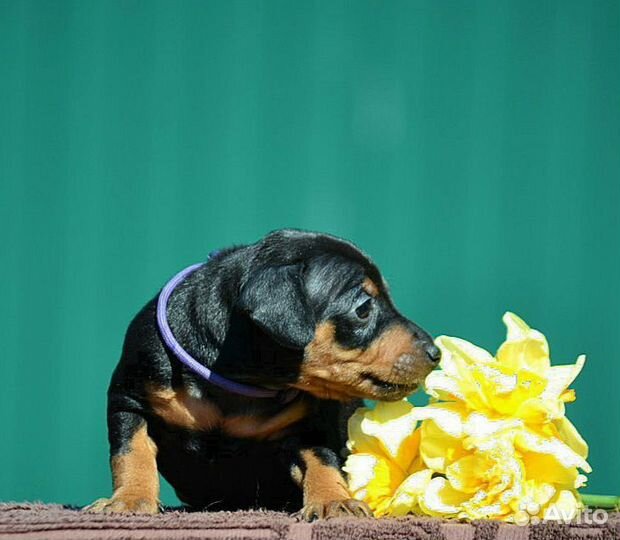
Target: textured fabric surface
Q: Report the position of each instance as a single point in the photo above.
(41, 521)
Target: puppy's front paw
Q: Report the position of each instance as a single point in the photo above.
(331, 509)
(124, 505)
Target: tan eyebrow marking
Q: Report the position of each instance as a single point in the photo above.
(370, 287)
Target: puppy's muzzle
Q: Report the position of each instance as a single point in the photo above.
(416, 366)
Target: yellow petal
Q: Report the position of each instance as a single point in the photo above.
(360, 469)
(437, 448)
(524, 348)
(440, 385)
(406, 498)
(409, 458)
(547, 469)
(528, 385)
(528, 440)
(373, 480)
(534, 497)
(456, 349)
(540, 492)
(537, 410)
(440, 499)
(563, 507)
(499, 382)
(468, 473)
(386, 431)
(459, 360)
(449, 417)
(516, 328)
(480, 426)
(476, 511)
(581, 481)
(568, 433)
(568, 396)
(359, 441)
(560, 377)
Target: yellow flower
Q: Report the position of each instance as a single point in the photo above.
(385, 469)
(494, 443)
(519, 387)
(494, 475)
(519, 382)
(478, 485)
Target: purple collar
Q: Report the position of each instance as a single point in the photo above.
(192, 363)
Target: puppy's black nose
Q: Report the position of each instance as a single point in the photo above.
(433, 352)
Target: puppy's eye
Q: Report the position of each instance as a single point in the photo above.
(363, 310)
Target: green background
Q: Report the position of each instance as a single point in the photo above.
(471, 147)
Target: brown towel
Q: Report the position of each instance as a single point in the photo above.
(56, 522)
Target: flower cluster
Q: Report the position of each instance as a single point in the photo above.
(493, 442)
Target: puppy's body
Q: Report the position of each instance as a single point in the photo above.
(297, 311)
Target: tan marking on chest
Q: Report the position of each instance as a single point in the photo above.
(179, 409)
(273, 427)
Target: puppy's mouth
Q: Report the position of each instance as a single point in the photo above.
(388, 389)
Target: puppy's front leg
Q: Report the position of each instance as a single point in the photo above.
(325, 492)
(134, 467)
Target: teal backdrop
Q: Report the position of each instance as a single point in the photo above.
(471, 147)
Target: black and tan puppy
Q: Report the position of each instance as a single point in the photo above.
(296, 310)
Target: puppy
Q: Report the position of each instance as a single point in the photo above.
(287, 336)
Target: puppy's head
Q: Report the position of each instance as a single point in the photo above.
(322, 296)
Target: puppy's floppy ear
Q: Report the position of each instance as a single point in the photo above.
(275, 299)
